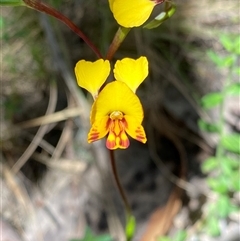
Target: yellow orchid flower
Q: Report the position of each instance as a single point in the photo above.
(116, 111)
(132, 13)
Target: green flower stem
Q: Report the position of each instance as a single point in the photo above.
(118, 39)
(12, 3)
(130, 220)
(41, 7)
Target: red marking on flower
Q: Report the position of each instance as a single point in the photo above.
(117, 137)
(94, 136)
(140, 138)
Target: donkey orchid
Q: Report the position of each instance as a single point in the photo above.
(116, 111)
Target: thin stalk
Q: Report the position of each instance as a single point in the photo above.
(130, 220)
(117, 40)
(119, 186)
(41, 7)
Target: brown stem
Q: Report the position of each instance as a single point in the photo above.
(41, 7)
(119, 186)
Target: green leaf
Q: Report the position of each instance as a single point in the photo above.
(233, 89)
(217, 59)
(103, 237)
(231, 161)
(130, 227)
(212, 226)
(163, 16)
(231, 43)
(219, 184)
(223, 205)
(210, 164)
(228, 61)
(226, 167)
(89, 236)
(181, 235)
(208, 127)
(237, 45)
(231, 143)
(234, 208)
(12, 3)
(237, 70)
(235, 181)
(221, 61)
(211, 100)
(227, 42)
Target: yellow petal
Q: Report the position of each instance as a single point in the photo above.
(92, 75)
(131, 13)
(116, 96)
(111, 4)
(98, 130)
(131, 71)
(135, 129)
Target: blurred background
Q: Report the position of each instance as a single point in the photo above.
(57, 187)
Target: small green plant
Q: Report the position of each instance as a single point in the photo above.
(181, 235)
(223, 167)
(89, 236)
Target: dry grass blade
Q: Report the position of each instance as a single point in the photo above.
(66, 138)
(21, 196)
(71, 166)
(52, 118)
(19, 192)
(40, 133)
(46, 146)
(66, 135)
